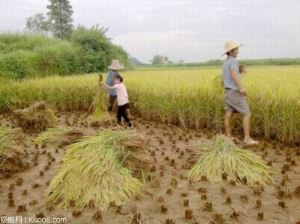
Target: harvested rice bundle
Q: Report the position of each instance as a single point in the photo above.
(92, 172)
(99, 106)
(38, 117)
(100, 112)
(6, 137)
(12, 159)
(239, 165)
(49, 135)
(65, 135)
(101, 118)
(131, 145)
(134, 155)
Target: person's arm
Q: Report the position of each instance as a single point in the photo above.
(108, 87)
(235, 78)
(108, 81)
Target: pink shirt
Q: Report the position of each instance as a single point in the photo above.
(122, 95)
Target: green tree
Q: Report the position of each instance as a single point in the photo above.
(96, 50)
(60, 16)
(156, 60)
(160, 59)
(38, 24)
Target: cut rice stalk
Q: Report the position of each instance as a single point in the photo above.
(8, 136)
(93, 172)
(100, 112)
(223, 156)
(36, 118)
(49, 135)
(12, 159)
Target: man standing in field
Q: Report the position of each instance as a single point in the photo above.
(235, 93)
(112, 94)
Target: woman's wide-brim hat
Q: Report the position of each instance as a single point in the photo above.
(230, 45)
(115, 65)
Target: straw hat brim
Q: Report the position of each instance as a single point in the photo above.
(233, 47)
(116, 67)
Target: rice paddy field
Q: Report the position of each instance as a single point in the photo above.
(192, 98)
(174, 167)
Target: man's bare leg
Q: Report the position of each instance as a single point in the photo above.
(246, 127)
(227, 122)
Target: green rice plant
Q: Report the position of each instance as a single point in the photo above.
(93, 172)
(224, 157)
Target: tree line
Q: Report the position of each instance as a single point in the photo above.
(57, 21)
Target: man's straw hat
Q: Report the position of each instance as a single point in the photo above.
(230, 45)
(115, 65)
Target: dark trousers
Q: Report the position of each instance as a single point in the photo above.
(123, 113)
(111, 102)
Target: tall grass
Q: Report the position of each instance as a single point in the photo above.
(191, 98)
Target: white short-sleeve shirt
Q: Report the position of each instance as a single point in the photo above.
(122, 96)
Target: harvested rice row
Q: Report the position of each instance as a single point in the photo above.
(93, 172)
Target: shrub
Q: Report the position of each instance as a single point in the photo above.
(18, 64)
(30, 55)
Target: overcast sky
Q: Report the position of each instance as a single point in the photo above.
(192, 30)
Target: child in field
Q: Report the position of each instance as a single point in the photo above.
(122, 99)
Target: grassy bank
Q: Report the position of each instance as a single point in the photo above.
(24, 55)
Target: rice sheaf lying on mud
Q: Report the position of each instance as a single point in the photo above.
(101, 163)
(12, 158)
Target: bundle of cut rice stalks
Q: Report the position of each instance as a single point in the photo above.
(223, 157)
(61, 135)
(100, 112)
(101, 118)
(93, 172)
(36, 118)
(50, 135)
(12, 159)
(99, 106)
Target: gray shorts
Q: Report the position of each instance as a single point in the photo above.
(235, 102)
